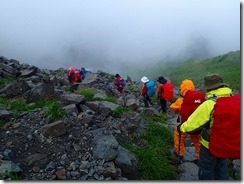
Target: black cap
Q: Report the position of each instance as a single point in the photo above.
(162, 80)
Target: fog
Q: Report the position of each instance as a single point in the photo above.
(114, 35)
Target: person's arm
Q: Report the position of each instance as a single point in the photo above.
(176, 106)
(144, 90)
(199, 117)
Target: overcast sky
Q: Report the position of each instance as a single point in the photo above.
(108, 35)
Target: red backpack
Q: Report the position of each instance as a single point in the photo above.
(225, 131)
(168, 91)
(191, 101)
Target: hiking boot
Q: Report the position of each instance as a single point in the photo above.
(179, 160)
(195, 161)
(180, 157)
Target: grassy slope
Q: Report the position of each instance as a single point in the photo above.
(227, 65)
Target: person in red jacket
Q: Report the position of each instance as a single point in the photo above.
(119, 83)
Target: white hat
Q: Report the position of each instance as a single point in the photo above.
(144, 79)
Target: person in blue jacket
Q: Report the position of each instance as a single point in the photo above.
(148, 90)
(83, 72)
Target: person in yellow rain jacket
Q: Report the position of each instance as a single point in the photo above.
(210, 167)
(179, 138)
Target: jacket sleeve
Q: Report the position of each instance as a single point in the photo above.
(199, 117)
(144, 90)
(176, 106)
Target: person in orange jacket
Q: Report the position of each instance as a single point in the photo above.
(179, 138)
(71, 74)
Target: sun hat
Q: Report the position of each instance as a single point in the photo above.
(144, 79)
(213, 81)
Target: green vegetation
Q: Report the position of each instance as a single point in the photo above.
(54, 111)
(6, 80)
(133, 87)
(228, 66)
(2, 123)
(153, 152)
(119, 111)
(18, 106)
(111, 99)
(12, 176)
(87, 92)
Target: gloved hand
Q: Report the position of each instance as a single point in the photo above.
(178, 119)
(178, 128)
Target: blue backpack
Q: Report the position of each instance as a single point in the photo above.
(151, 88)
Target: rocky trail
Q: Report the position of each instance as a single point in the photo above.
(84, 145)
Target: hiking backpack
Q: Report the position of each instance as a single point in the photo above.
(77, 76)
(71, 74)
(225, 132)
(168, 91)
(122, 83)
(151, 88)
(191, 101)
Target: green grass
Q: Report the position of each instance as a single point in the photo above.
(227, 65)
(19, 105)
(6, 80)
(12, 176)
(111, 99)
(87, 92)
(55, 111)
(153, 152)
(119, 111)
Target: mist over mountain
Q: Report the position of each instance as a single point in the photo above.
(117, 36)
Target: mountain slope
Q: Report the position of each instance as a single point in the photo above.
(227, 65)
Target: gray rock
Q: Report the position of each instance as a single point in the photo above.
(189, 171)
(126, 161)
(54, 129)
(105, 147)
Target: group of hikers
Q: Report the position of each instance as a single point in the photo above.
(211, 119)
(75, 75)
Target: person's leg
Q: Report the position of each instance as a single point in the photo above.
(120, 90)
(206, 164)
(145, 100)
(195, 138)
(179, 143)
(149, 100)
(163, 105)
(221, 169)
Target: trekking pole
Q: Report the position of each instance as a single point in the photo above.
(179, 132)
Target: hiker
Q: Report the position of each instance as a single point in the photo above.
(83, 72)
(71, 74)
(164, 92)
(210, 167)
(77, 75)
(148, 90)
(185, 108)
(119, 84)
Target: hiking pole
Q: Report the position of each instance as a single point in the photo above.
(179, 132)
